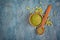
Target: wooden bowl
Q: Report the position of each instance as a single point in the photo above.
(37, 19)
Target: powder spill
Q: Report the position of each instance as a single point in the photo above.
(48, 23)
(38, 10)
(27, 7)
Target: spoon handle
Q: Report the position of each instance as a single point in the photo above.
(46, 15)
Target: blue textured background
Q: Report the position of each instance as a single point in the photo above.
(14, 23)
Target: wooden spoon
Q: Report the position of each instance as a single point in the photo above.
(40, 29)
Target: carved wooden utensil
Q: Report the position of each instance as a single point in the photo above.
(40, 28)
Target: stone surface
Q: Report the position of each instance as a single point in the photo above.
(14, 23)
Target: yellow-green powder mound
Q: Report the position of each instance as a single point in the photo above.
(36, 19)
